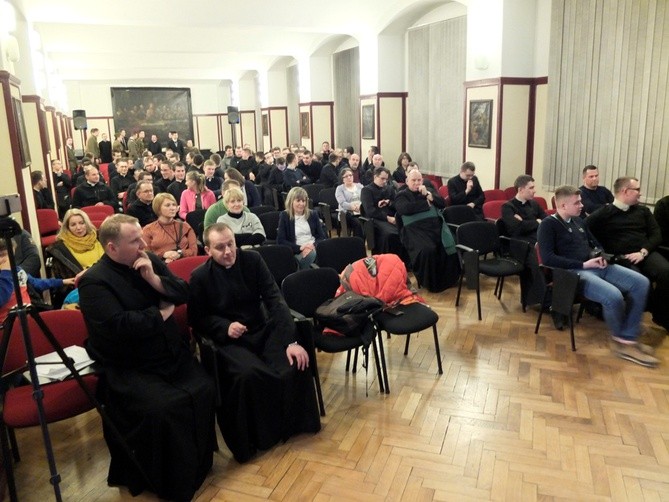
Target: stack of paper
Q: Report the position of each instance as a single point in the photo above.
(50, 366)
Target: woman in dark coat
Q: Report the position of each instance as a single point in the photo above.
(424, 236)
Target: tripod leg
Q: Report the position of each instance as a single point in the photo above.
(7, 462)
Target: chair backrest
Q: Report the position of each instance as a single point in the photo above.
(279, 259)
(124, 201)
(305, 290)
(270, 222)
(494, 194)
(47, 221)
(436, 180)
(104, 171)
(196, 221)
(443, 191)
(327, 196)
(183, 268)
(542, 203)
(481, 236)
(493, 210)
(458, 215)
(257, 210)
(313, 191)
(553, 202)
(510, 192)
(337, 253)
(95, 210)
(67, 326)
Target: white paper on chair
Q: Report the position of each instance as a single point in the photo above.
(50, 366)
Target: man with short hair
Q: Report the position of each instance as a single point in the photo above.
(377, 199)
(154, 145)
(522, 215)
(325, 150)
(367, 165)
(92, 146)
(368, 176)
(227, 158)
(293, 176)
(247, 165)
(329, 176)
(135, 150)
(105, 149)
(166, 177)
(197, 162)
(212, 181)
(140, 175)
(177, 186)
(310, 167)
(141, 208)
(92, 192)
(176, 145)
(593, 195)
(267, 391)
(565, 242)
(465, 189)
(71, 155)
(354, 164)
(237, 157)
(123, 179)
(41, 192)
(628, 230)
(155, 391)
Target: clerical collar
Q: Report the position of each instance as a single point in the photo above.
(620, 205)
(522, 202)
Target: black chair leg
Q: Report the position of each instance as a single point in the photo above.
(355, 361)
(501, 287)
(571, 332)
(478, 302)
(406, 345)
(317, 384)
(7, 462)
(14, 445)
(383, 365)
(377, 362)
(436, 348)
(541, 310)
(348, 360)
(457, 298)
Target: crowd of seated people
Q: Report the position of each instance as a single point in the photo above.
(259, 359)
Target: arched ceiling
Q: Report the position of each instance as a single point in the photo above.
(201, 39)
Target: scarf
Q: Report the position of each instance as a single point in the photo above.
(80, 244)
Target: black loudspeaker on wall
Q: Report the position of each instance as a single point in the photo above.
(79, 119)
(233, 115)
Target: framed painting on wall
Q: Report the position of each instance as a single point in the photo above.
(22, 135)
(265, 124)
(154, 110)
(305, 130)
(480, 123)
(368, 119)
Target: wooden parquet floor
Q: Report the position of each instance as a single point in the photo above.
(515, 416)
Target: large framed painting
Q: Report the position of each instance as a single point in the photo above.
(480, 123)
(368, 128)
(24, 148)
(154, 110)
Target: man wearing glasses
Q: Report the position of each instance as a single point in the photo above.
(628, 230)
(377, 199)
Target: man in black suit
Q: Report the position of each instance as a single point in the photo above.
(175, 144)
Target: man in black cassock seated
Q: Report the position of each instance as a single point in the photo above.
(266, 389)
(156, 393)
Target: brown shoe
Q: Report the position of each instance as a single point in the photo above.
(633, 353)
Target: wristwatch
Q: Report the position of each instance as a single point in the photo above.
(643, 253)
(181, 253)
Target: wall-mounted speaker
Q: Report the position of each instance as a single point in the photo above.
(79, 119)
(233, 115)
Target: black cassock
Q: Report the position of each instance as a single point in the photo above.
(156, 393)
(433, 267)
(264, 399)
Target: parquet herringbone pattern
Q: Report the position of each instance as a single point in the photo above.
(515, 416)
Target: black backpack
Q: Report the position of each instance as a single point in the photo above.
(349, 313)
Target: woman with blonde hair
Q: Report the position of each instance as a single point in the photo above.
(300, 228)
(76, 247)
(245, 225)
(168, 238)
(196, 196)
(251, 194)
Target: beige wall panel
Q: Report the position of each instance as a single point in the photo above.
(514, 133)
(207, 133)
(484, 158)
(248, 127)
(538, 156)
(321, 125)
(30, 111)
(279, 133)
(390, 130)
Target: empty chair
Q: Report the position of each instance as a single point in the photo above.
(270, 222)
(257, 210)
(337, 253)
(492, 210)
(478, 239)
(279, 260)
(196, 221)
(183, 268)
(313, 191)
(98, 214)
(542, 202)
(510, 192)
(329, 208)
(494, 194)
(47, 220)
(455, 216)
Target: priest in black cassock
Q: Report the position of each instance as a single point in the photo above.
(266, 389)
(156, 393)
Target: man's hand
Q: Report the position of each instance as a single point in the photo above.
(384, 202)
(166, 309)
(144, 266)
(296, 353)
(635, 258)
(391, 219)
(69, 282)
(470, 185)
(518, 217)
(598, 262)
(471, 204)
(236, 329)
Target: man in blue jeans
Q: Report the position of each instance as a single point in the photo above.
(565, 242)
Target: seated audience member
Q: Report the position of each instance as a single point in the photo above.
(429, 244)
(300, 228)
(565, 242)
(92, 192)
(251, 194)
(141, 208)
(247, 164)
(276, 179)
(593, 195)
(400, 173)
(522, 215)
(354, 165)
(627, 229)
(41, 192)
(368, 176)
(76, 247)
(140, 175)
(26, 253)
(166, 177)
(310, 167)
(219, 209)
(293, 176)
(27, 282)
(112, 170)
(123, 179)
(63, 185)
(329, 176)
(661, 214)
(197, 196)
(168, 238)
(377, 203)
(227, 157)
(264, 167)
(154, 390)
(266, 390)
(177, 187)
(244, 224)
(348, 197)
(213, 182)
(465, 189)
(368, 164)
